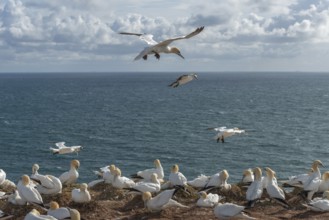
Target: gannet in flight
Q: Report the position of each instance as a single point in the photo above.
(224, 132)
(162, 47)
(63, 149)
(183, 80)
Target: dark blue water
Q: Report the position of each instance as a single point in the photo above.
(130, 119)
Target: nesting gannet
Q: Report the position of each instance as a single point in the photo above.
(28, 192)
(8, 185)
(311, 185)
(106, 173)
(297, 180)
(273, 190)
(72, 175)
(121, 182)
(62, 149)
(183, 80)
(153, 186)
(57, 212)
(16, 199)
(208, 200)
(146, 174)
(255, 190)
(35, 215)
(176, 178)
(81, 195)
(229, 210)
(162, 47)
(324, 185)
(224, 132)
(199, 182)
(54, 189)
(2, 176)
(319, 205)
(219, 180)
(160, 201)
(247, 177)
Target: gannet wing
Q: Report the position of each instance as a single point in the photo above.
(144, 52)
(192, 34)
(148, 38)
(60, 144)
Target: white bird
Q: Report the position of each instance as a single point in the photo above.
(319, 205)
(16, 199)
(57, 212)
(54, 189)
(224, 132)
(121, 182)
(28, 192)
(63, 149)
(199, 182)
(324, 185)
(313, 182)
(229, 210)
(153, 186)
(208, 200)
(72, 175)
(146, 174)
(81, 195)
(176, 178)
(162, 47)
(298, 180)
(35, 215)
(106, 173)
(273, 190)
(255, 190)
(2, 176)
(247, 177)
(161, 201)
(183, 80)
(218, 180)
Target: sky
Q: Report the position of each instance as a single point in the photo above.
(239, 35)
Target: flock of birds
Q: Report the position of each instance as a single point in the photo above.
(158, 193)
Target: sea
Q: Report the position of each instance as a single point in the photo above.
(131, 119)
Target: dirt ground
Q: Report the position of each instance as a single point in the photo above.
(109, 203)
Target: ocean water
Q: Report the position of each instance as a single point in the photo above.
(130, 119)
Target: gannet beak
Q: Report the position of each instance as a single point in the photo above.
(179, 54)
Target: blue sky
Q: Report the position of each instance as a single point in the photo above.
(239, 35)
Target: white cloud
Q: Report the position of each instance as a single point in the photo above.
(83, 30)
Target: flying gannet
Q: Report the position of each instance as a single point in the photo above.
(183, 80)
(162, 47)
(63, 149)
(224, 132)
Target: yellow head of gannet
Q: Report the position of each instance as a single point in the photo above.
(325, 176)
(175, 50)
(258, 173)
(35, 212)
(270, 173)
(146, 196)
(75, 164)
(112, 168)
(316, 164)
(247, 172)
(203, 194)
(83, 187)
(225, 175)
(54, 205)
(25, 180)
(175, 168)
(157, 163)
(75, 214)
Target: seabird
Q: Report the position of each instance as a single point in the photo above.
(152, 187)
(162, 47)
(319, 205)
(199, 182)
(146, 174)
(35, 215)
(176, 178)
(28, 192)
(183, 80)
(81, 195)
(63, 149)
(229, 210)
(324, 185)
(247, 177)
(121, 182)
(255, 190)
(311, 185)
(72, 175)
(208, 200)
(224, 132)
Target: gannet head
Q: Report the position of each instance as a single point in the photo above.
(83, 186)
(146, 196)
(247, 172)
(75, 214)
(325, 176)
(258, 173)
(203, 194)
(175, 168)
(75, 164)
(316, 164)
(35, 212)
(224, 175)
(112, 168)
(35, 168)
(54, 205)
(117, 172)
(269, 172)
(157, 163)
(176, 51)
(325, 194)
(25, 180)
